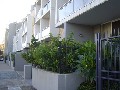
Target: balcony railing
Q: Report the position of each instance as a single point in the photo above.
(39, 14)
(46, 7)
(46, 32)
(72, 6)
(37, 36)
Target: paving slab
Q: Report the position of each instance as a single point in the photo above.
(12, 80)
(5, 67)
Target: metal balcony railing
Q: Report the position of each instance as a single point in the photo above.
(71, 6)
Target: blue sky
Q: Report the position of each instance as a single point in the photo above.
(12, 11)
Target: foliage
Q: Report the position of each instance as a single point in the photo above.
(28, 56)
(57, 56)
(86, 63)
(13, 56)
(87, 85)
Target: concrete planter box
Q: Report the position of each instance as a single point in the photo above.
(45, 80)
(12, 66)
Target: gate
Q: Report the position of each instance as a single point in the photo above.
(108, 63)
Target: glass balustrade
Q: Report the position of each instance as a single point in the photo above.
(46, 7)
(45, 32)
(71, 6)
(37, 36)
(61, 13)
(78, 4)
(86, 2)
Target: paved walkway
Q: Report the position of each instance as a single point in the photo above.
(11, 80)
(4, 67)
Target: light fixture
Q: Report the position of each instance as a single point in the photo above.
(80, 35)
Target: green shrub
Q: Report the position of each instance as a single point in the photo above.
(87, 66)
(13, 56)
(57, 56)
(28, 56)
(87, 85)
(86, 63)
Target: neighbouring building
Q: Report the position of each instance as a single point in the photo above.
(9, 35)
(21, 40)
(44, 19)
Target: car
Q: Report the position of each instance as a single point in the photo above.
(1, 59)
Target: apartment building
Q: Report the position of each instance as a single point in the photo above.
(44, 19)
(9, 35)
(86, 17)
(21, 41)
(26, 31)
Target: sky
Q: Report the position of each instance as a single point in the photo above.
(12, 11)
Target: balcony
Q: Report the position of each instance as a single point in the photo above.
(46, 32)
(37, 36)
(94, 13)
(72, 6)
(39, 14)
(46, 8)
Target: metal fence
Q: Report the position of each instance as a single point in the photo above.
(108, 63)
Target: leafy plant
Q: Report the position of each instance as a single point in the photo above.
(86, 65)
(57, 56)
(28, 56)
(87, 85)
(13, 56)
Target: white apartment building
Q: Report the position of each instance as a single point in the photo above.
(44, 19)
(23, 35)
(86, 17)
(26, 31)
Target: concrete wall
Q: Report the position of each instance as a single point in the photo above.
(19, 62)
(19, 39)
(87, 32)
(29, 29)
(53, 30)
(45, 80)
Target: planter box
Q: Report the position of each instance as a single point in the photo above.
(45, 80)
(27, 71)
(12, 64)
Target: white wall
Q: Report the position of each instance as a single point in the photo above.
(45, 80)
(14, 44)
(87, 32)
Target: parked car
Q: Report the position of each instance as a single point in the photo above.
(1, 59)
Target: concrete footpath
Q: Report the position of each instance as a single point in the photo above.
(11, 80)
(4, 67)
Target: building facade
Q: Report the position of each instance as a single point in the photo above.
(87, 17)
(44, 19)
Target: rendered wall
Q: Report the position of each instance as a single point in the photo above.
(19, 62)
(45, 80)
(87, 32)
